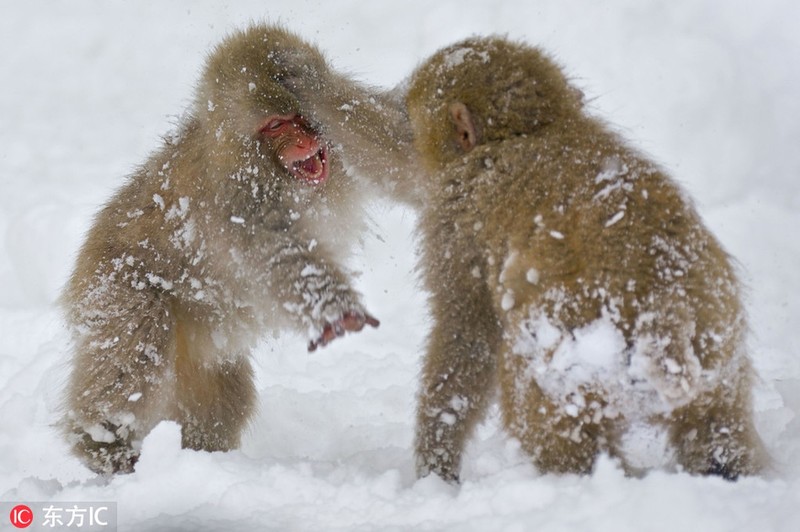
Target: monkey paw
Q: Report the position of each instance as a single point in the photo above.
(444, 471)
(105, 457)
(351, 321)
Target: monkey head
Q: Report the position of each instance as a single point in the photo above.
(242, 101)
(482, 90)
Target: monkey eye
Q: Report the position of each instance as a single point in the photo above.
(275, 126)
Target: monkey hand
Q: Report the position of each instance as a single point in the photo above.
(297, 63)
(304, 79)
(349, 321)
(441, 469)
(320, 91)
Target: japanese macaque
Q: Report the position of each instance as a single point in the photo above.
(236, 225)
(563, 266)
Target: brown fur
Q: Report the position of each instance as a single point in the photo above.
(540, 225)
(209, 243)
(554, 225)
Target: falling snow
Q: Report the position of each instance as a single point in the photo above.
(707, 87)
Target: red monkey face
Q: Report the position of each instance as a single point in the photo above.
(298, 148)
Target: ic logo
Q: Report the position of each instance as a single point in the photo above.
(21, 516)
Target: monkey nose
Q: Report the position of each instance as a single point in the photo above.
(307, 143)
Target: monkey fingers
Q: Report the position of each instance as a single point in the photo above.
(304, 79)
(302, 86)
(351, 321)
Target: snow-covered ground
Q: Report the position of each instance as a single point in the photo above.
(709, 88)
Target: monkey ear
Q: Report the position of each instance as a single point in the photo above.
(466, 134)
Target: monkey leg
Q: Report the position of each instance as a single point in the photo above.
(215, 396)
(559, 422)
(559, 438)
(122, 378)
(692, 355)
(715, 434)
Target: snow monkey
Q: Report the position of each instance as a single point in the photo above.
(563, 266)
(235, 225)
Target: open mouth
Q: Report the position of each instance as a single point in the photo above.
(314, 169)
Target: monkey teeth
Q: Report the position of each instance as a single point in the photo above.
(314, 169)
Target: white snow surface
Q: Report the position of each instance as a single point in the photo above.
(708, 88)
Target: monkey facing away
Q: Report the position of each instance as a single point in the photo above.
(236, 225)
(563, 266)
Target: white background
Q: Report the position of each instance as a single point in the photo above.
(708, 88)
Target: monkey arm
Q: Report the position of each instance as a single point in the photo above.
(458, 379)
(123, 363)
(460, 366)
(313, 292)
(371, 126)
